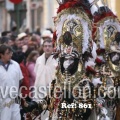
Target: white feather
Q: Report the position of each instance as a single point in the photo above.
(101, 58)
(89, 63)
(94, 54)
(113, 48)
(103, 26)
(86, 32)
(96, 81)
(116, 57)
(93, 9)
(90, 1)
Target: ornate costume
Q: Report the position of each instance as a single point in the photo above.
(87, 37)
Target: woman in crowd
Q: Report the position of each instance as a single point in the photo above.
(30, 66)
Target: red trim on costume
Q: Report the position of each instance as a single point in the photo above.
(100, 51)
(90, 70)
(73, 4)
(97, 18)
(94, 30)
(98, 61)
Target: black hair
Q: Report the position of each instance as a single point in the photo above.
(13, 37)
(117, 37)
(5, 33)
(14, 28)
(4, 40)
(3, 49)
(50, 29)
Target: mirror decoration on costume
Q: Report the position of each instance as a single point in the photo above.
(87, 38)
(93, 50)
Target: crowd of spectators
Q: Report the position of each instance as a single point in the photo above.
(26, 48)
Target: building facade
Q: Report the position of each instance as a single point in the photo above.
(35, 13)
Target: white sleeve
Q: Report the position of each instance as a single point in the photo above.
(36, 66)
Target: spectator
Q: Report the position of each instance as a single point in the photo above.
(6, 34)
(33, 43)
(46, 35)
(14, 30)
(37, 31)
(45, 72)
(23, 38)
(4, 40)
(10, 75)
(21, 48)
(40, 50)
(45, 66)
(27, 31)
(30, 66)
(13, 39)
(38, 38)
